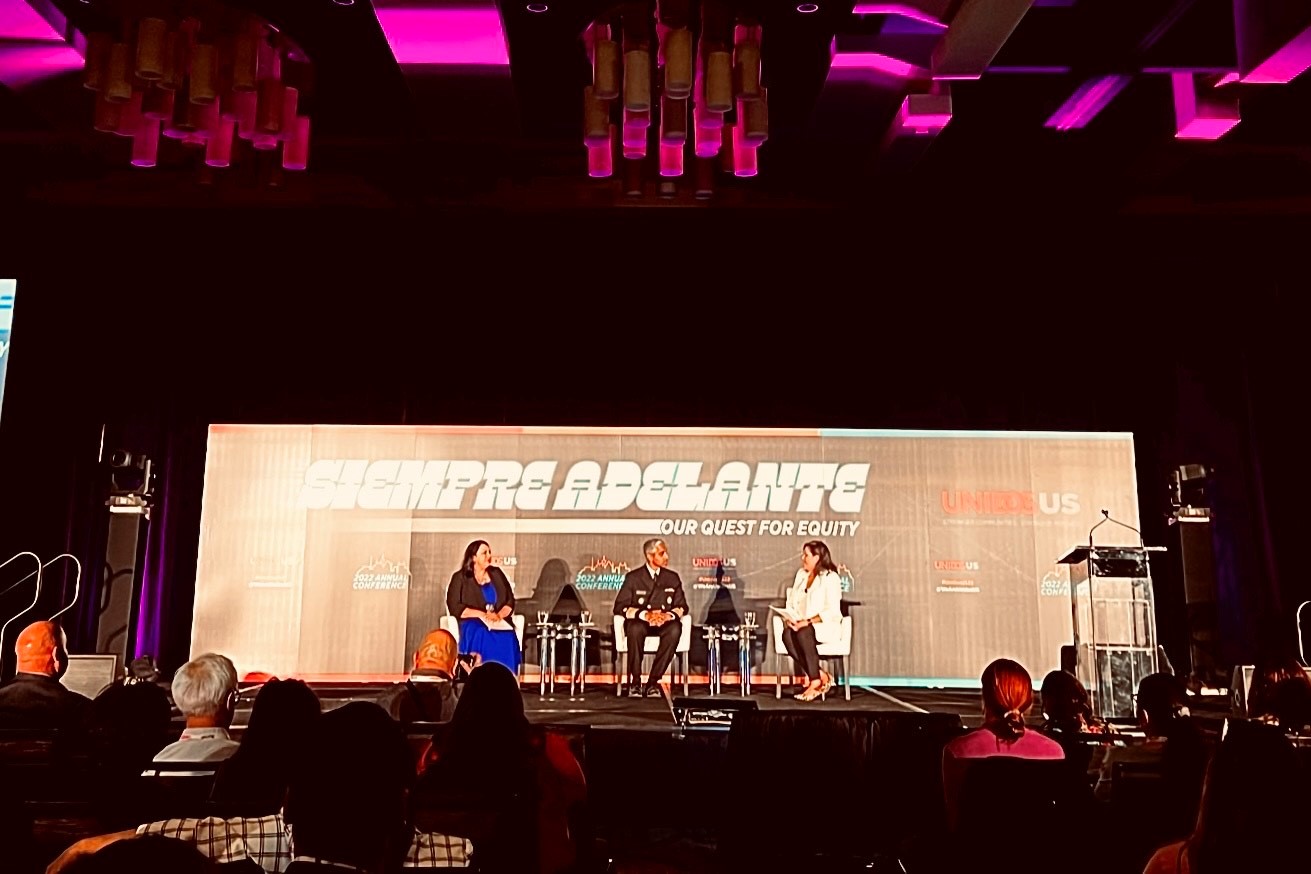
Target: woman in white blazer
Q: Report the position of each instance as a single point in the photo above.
(815, 599)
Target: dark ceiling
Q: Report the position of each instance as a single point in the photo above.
(510, 137)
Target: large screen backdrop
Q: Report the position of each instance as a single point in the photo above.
(326, 550)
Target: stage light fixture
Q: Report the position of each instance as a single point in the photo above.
(807, 8)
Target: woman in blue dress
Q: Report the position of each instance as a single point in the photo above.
(479, 596)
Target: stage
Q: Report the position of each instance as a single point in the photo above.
(599, 707)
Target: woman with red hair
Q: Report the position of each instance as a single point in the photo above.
(1007, 697)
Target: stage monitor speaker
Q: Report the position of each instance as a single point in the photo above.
(1069, 659)
(709, 714)
(1201, 609)
(125, 546)
(89, 674)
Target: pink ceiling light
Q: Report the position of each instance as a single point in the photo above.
(654, 75)
(1086, 102)
(923, 114)
(18, 20)
(22, 65)
(465, 34)
(198, 80)
(1285, 64)
(31, 47)
(872, 62)
(1201, 114)
(902, 9)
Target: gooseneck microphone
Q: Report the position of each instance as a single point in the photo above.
(1106, 517)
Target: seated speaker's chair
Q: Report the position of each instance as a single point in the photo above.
(451, 624)
(838, 650)
(652, 643)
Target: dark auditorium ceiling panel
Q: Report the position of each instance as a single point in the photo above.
(1120, 104)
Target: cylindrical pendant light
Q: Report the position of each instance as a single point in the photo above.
(204, 73)
(596, 118)
(605, 68)
(157, 103)
(151, 43)
(218, 151)
(673, 121)
(245, 58)
(753, 116)
(708, 133)
(678, 63)
(705, 178)
(247, 104)
(744, 155)
(107, 115)
(95, 72)
(719, 81)
(635, 133)
(145, 143)
(601, 156)
(637, 80)
(671, 159)
(174, 54)
(268, 115)
(118, 74)
(129, 119)
(296, 150)
(746, 67)
(290, 108)
(633, 178)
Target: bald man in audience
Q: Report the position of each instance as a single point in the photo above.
(34, 698)
(205, 690)
(430, 693)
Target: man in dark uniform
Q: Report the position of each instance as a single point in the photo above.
(651, 601)
(34, 698)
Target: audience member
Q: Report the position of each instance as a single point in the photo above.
(346, 807)
(205, 690)
(253, 780)
(34, 698)
(430, 693)
(1253, 808)
(528, 782)
(1172, 738)
(1281, 695)
(1007, 697)
(127, 725)
(1068, 719)
(148, 855)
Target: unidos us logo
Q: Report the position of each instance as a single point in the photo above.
(998, 502)
(714, 571)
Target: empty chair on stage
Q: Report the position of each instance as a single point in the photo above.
(480, 598)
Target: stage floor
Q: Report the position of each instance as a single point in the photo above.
(599, 706)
